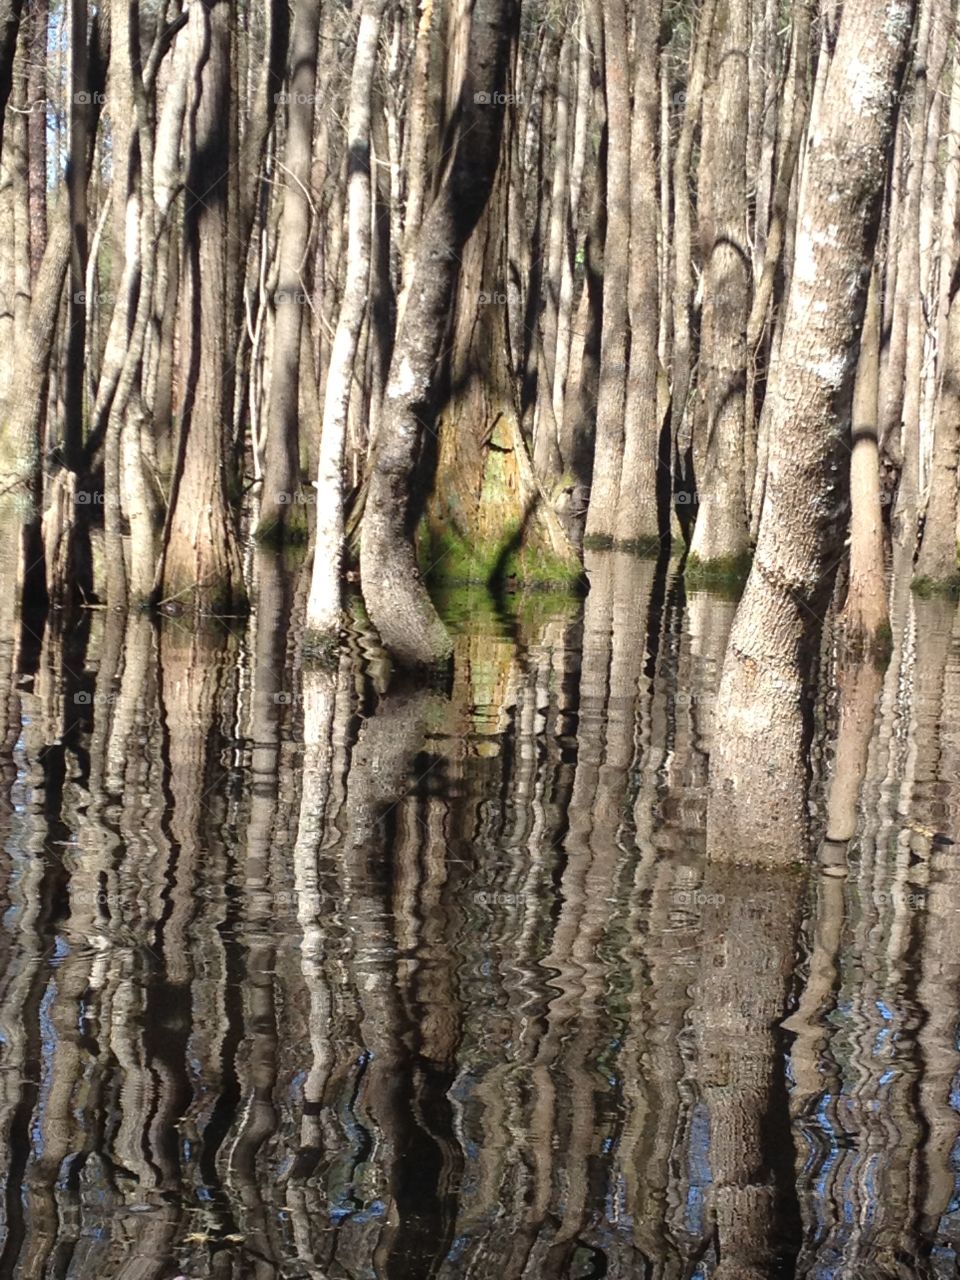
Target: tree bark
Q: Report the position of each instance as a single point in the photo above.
(865, 620)
(200, 566)
(611, 18)
(397, 601)
(758, 769)
(937, 563)
(323, 605)
(643, 520)
(721, 535)
(281, 515)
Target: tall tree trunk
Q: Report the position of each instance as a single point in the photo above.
(758, 803)
(281, 515)
(79, 126)
(721, 536)
(397, 601)
(611, 18)
(200, 565)
(642, 520)
(323, 605)
(37, 127)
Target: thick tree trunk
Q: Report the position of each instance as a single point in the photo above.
(281, 515)
(323, 605)
(201, 562)
(721, 535)
(758, 768)
(397, 601)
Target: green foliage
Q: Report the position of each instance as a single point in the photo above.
(927, 587)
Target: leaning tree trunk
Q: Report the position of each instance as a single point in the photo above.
(201, 567)
(720, 535)
(323, 604)
(280, 515)
(758, 802)
(396, 598)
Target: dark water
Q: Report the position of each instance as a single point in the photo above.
(305, 979)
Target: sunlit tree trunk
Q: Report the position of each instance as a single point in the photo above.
(280, 513)
(641, 520)
(396, 598)
(323, 606)
(865, 620)
(758, 806)
(938, 562)
(611, 18)
(720, 536)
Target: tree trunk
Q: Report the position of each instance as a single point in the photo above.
(758, 802)
(643, 521)
(281, 515)
(614, 342)
(323, 605)
(397, 601)
(200, 567)
(10, 11)
(721, 535)
(865, 620)
(937, 563)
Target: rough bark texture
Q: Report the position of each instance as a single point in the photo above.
(721, 530)
(758, 803)
(639, 522)
(397, 601)
(937, 562)
(10, 11)
(201, 563)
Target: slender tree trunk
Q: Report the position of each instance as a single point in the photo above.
(865, 621)
(323, 605)
(642, 520)
(758, 803)
(683, 226)
(397, 601)
(37, 127)
(281, 515)
(80, 132)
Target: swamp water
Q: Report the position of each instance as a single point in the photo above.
(300, 977)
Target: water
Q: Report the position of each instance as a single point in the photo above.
(305, 979)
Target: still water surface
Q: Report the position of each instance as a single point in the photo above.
(300, 977)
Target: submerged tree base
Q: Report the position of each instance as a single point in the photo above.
(725, 575)
(446, 557)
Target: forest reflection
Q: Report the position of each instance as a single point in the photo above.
(306, 972)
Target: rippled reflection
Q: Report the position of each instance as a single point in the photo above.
(311, 973)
